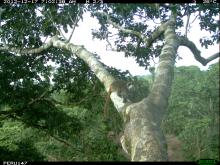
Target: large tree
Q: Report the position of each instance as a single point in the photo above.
(34, 35)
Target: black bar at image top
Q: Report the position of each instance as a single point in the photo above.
(145, 1)
(134, 1)
(156, 1)
(142, 1)
(106, 1)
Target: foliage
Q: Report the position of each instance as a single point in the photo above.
(139, 17)
(17, 143)
(193, 111)
(62, 129)
(141, 88)
(59, 136)
(25, 78)
(194, 93)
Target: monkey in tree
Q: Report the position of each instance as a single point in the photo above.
(122, 90)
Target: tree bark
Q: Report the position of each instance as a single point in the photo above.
(142, 139)
(143, 136)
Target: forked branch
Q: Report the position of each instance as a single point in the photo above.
(148, 41)
(183, 41)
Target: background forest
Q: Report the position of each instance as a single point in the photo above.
(69, 130)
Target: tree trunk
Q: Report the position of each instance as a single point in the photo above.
(142, 138)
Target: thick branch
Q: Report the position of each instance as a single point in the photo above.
(92, 61)
(183, 41)
(148, 41)
(29, 50)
